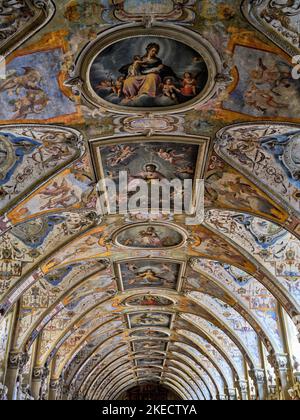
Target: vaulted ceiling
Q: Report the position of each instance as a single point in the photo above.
(96, 301)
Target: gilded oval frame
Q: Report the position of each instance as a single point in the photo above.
(81, 80)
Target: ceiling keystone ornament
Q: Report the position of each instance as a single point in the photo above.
(151, 10)
(149, 124)
(131, 86)
(20, 20)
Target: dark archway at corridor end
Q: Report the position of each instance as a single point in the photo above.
(149, 392)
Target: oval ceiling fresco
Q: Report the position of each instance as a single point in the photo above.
(150, 236)
(145, 73)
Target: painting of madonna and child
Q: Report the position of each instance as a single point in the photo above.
(148, 72)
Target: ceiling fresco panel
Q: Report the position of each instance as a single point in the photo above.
(151, 274)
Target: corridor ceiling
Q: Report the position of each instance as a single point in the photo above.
(107, 302)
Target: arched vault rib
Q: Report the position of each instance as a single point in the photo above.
(23, 30)
(106, 331)
(95, 351)
(199, 380)
(199, 388)
(54, 190)
(87, 337)
(114, 383)
(91, 384)
(209, 380)
(81, 376)
(216, 358)
(99, 372)
(194, 311)
(200, 333)
(78, 321)
(105, 350)
(106, 375)
(186, 378)
(127, 378)
(113, 379)
(212, 317)
(104, 394)
(250, 265)
(95, 369)
(32, 276)
(222, 291)
(118, 359)
(243, 336)
(184, 353)
(109, 394)
(112, 367)
(169, 386)
(57, 306)
(203, 357)
(179, 388)
(260, 159)
(189, 369)
(61, 338)
(84, 364)
(259, 16)
(228, 189)
(268, 243)
(261, 274)
(63, 353)
(194, 395)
